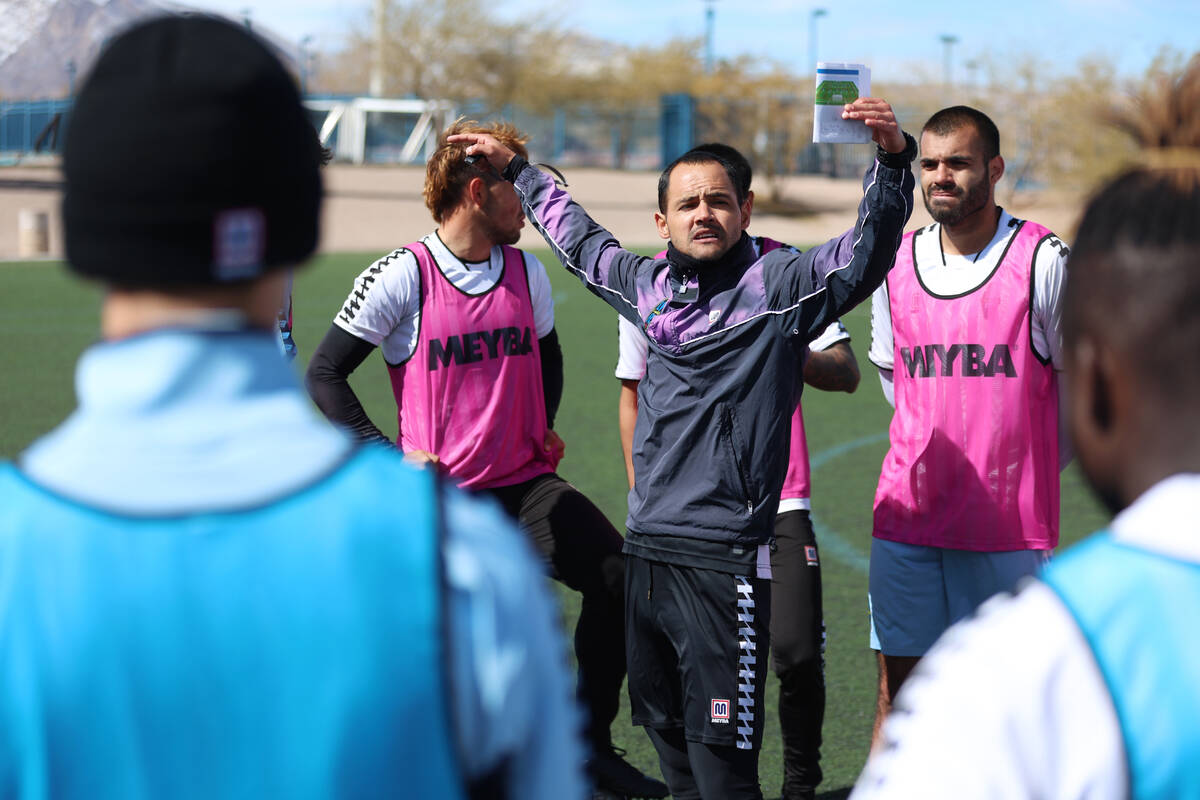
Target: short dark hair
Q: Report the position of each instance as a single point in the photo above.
(1137, 259)
(698, 156)
(733, 157)
(950, 119)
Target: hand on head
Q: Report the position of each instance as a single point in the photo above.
(878, 116)
(486, 145)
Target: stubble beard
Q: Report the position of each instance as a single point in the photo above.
(501, 234)
(974, 200)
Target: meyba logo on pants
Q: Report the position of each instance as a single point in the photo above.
(720, 711)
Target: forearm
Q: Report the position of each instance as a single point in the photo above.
(586, 249)
(552, 375)
(627, 407)
(327, 381)
(832, 370)
(851, 266)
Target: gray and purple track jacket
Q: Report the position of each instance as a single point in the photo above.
(714, 410)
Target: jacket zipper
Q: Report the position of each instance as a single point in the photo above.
(737, 462)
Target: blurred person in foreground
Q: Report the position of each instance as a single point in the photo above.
(1089, 675)
(178, 616)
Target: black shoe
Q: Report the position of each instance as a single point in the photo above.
(613, 774)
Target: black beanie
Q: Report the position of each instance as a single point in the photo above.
(189, 159)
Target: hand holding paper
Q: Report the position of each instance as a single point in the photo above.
(879, 120)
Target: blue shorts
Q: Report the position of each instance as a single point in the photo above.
(917, 592)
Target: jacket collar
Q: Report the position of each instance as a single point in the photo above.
(685, 271)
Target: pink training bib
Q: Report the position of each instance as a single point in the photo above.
(472, 391)
(973, 463)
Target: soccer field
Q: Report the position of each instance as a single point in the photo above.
(47, 318)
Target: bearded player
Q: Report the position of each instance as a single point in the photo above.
(965, 332)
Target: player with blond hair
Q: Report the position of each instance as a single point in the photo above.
(465, 322)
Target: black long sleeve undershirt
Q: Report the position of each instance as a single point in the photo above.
(552, 374)
(340, 353)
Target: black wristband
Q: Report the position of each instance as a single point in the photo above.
(513, 168)
(898, 160)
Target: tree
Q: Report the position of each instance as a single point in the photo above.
(444, 49)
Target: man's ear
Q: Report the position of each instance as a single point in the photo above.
(1091, 388)
(1099, 413)
(477, 191)
(660, 220)
(996, 170)
(746, 207)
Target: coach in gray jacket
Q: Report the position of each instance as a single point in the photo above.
(729, 330)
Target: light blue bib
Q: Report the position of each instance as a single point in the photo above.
(1140, 612)
(292, 650)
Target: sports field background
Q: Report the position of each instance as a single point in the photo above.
(47, 318)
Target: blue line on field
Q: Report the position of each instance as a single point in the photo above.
(829, 539)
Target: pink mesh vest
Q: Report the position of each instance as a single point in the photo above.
(973, 463)
(472, 390)
(797, 484)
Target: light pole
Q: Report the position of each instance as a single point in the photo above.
(709, 22)
(948, 40)
(304, 43)
(972, 68)
(813, 16)
(379, 25)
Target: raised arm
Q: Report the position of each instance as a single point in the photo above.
(825, 282)
(583, 246)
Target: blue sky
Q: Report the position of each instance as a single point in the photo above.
(894, 39)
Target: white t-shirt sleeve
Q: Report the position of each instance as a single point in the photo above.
(632, 351)
(1007, 704)
(882, 352)
(542, 295)
(888, 385)
(1049, 279)
(834, 333)
(385, 296)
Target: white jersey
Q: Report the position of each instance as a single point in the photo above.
(384, 308)
(1011, 703)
